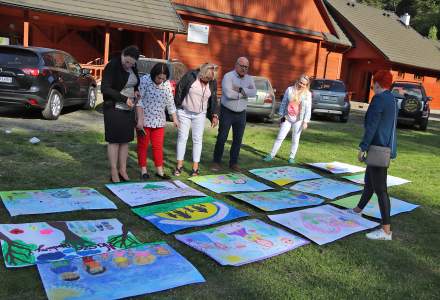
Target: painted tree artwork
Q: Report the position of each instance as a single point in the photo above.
(285, 175)
(325, 187)
(32, 243)
(337, 167)
(233, 182)
(32, 202)
(117, 274)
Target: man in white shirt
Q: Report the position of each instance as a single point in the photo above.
(237, 86)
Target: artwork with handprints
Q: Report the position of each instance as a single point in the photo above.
(325, 187)
(323, 224)
(285, 175)
(233, 182)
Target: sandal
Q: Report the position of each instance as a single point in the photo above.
(178, 171)
(195, 172)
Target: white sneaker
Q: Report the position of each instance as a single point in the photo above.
(352, 212)
(379, 234)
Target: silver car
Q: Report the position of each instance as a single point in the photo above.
(263, 104)
(330, 97)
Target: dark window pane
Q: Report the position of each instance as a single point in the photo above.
(327, 85)
(17, 58)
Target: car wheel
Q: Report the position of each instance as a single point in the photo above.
(54, 105)
(91, 99)
(343, 118)
(423, 123)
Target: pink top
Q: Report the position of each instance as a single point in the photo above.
(294, 108)
(197, 99)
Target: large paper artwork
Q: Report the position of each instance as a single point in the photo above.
(33, 202)
(327, 188)
(336, 167)
(171, 217)
(372, 208)
(242, 242)
(233, 182)
(30, 243)
(118, 274)
(141, 193)
(270, 201)
(323, 224)
(391, 180)
(285, 175)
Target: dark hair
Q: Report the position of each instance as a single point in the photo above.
(159, 68)
(132, 51)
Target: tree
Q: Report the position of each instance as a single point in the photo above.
(433, 33)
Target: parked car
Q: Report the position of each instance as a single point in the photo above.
(264, 104)
(330, 97)
(45, 79)
(177, 68)
(412, 101)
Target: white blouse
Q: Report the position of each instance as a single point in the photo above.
(154, 99)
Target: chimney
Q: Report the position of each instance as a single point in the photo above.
(405, 19)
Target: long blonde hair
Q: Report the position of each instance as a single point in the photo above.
(208, 71)
(296, 97)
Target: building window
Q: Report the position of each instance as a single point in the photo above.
(418, 77)
(401, 75)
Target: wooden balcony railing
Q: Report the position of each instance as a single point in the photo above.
(95, 70)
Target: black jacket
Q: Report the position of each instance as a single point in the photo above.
(183, 87)
(113, 81)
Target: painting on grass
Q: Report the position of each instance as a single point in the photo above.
(336, 167)
(31, 243)
(270, 201)
(323, 224)
(325, 187)
(32, 202)
(242, 242)
(171, 217)
(141, 193)
(391, 180)
(372, 208)
(285, 175)
(233, 182)
(118, 274)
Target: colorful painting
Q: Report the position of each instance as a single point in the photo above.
(31, 243)
(270, 201)
(391, 180)
(323, 224)
(372, 208)
(285, 175)
(118, 274)
(171, 217)
(32, 202)
(233, 182)
(141, 193)
(336, 167)
(242, 242)
(325, 187)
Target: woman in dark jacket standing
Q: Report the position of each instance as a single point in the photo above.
(380, 130)
(119, 88)
(196, 99)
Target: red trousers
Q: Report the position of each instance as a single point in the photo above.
(156, 136)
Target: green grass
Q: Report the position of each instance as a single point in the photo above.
(353, 267)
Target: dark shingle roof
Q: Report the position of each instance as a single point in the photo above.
(157, 14)
(398, 43)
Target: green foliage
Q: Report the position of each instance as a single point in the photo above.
(433, 33)
(18, 253)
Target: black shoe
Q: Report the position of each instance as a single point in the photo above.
(145, 176)
(122, 178)
(195, 172)
(164, 176)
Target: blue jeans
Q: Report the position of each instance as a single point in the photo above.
(237, 120)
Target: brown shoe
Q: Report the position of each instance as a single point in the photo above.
(216, 167)
(235, 168)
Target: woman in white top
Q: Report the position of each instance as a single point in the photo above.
(295, 112)
(156, 95)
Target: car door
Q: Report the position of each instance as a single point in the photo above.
(68, 77)
(82, 80)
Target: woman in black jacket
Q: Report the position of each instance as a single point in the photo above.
(119, 88)
(195, 99)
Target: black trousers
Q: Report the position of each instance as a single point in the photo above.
(228, 119)
(376, 182)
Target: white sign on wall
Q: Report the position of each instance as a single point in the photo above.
(4, 41)
(198, 33)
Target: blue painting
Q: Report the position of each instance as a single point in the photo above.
(32, 202)
(118, 274)
(270, 201)
(233, 182)
(327, 188)
(285, 175)
(170, 217)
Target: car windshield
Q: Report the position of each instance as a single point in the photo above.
(407, 91)
(17, 58)
(261, 84)
(328, 85)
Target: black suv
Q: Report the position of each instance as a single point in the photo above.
(45, 79)
(412, 101)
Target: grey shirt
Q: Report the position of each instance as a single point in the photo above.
(233, 100)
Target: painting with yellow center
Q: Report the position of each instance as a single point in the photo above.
(171, 217)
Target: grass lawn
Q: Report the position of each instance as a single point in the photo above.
(353, 267)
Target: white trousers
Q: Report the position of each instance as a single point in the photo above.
(291, 122)
(196, 122)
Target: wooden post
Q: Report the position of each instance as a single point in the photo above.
(26, 29)
(168, 44)
(106, 45)
(318, 49)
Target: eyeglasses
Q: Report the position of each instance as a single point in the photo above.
(243, 66)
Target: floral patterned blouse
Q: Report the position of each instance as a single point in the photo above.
(154, 99)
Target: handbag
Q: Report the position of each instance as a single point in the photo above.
(380, 156)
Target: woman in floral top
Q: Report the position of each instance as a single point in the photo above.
(156, 95)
